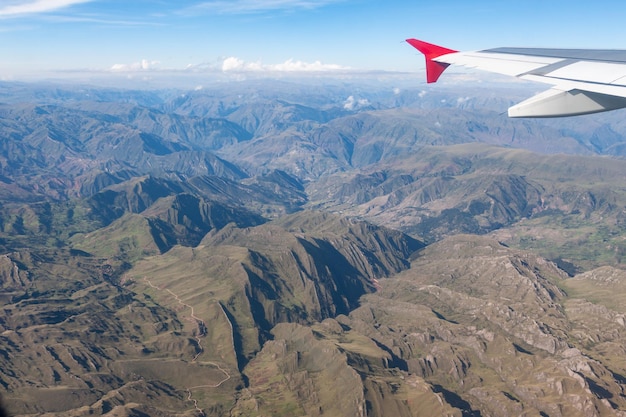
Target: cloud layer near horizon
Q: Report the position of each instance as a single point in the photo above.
(234, 65)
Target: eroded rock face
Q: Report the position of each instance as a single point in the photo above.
(492, 326)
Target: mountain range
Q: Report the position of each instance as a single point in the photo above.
(308, 248)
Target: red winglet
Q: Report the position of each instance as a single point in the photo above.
(433, 68)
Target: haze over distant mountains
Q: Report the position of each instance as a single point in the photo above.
(304, 248)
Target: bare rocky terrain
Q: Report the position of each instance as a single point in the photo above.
(269, 248)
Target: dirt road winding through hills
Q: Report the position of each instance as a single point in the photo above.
(201, 333)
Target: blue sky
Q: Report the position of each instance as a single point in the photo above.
(48, 36)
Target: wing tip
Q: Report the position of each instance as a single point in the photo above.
(431, 51)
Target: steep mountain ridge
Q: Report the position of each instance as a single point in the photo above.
(250, 288)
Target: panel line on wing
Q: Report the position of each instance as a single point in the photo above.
(544, 71)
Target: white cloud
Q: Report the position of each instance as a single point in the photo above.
(234, 64)
(22, 7)
(143, 65)
(256, 6)
(351, 103)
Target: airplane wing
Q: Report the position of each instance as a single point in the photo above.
(583, 81)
